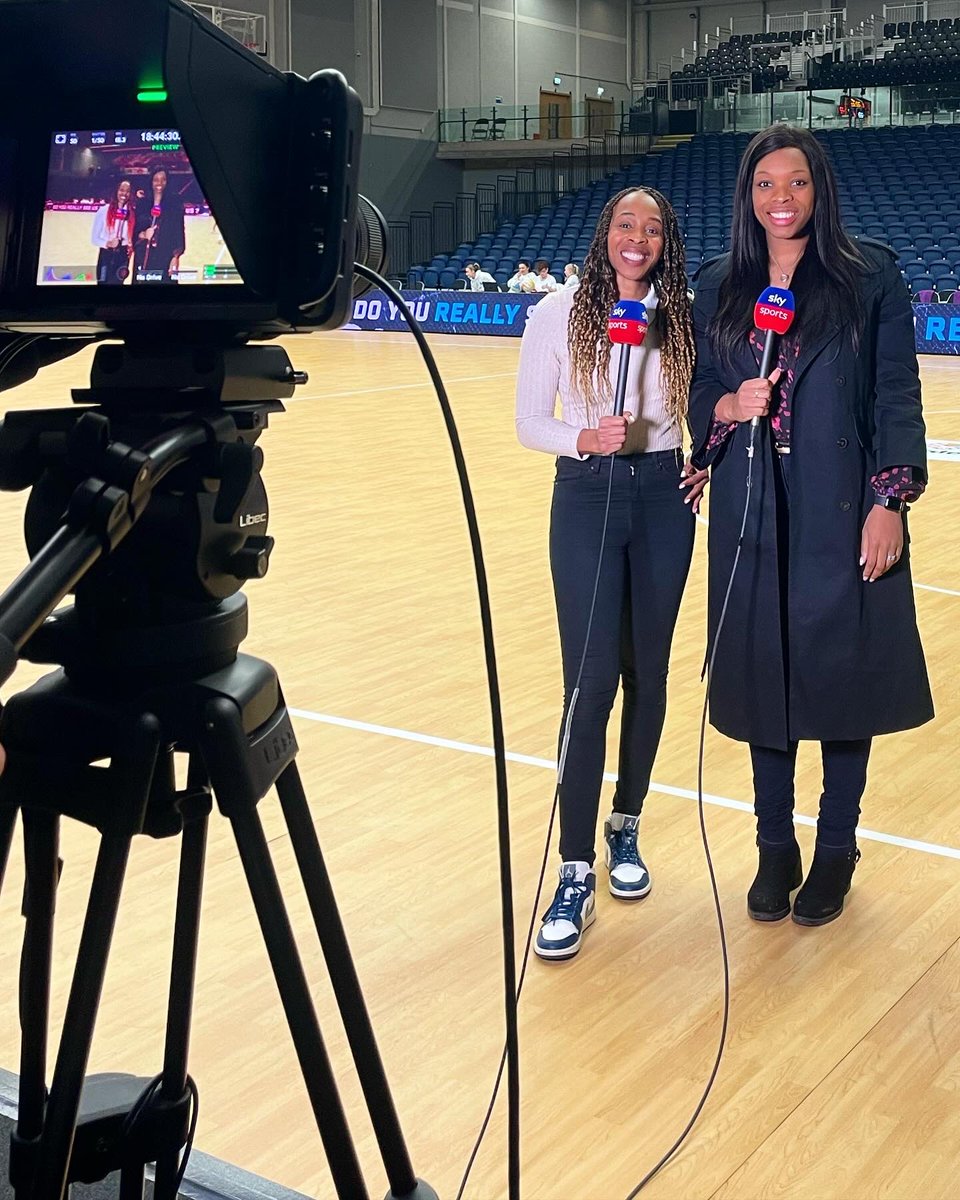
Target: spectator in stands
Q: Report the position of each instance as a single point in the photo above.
(113, 235)
(571, 275)
(820, 638)
(636, 254)
(477, 277)
(545, 282)
(524, 280)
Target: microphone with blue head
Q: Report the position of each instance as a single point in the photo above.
(773, 315)
(626, 327)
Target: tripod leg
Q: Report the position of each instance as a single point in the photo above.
(40, 840)
(57, 1140)
(346, 985)
(225, 750)
(182, 977)
(8, 819)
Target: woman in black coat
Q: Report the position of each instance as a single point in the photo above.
(158, 232)
(820, 639)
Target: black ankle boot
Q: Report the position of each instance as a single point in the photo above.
(779, 873)
(820, 900)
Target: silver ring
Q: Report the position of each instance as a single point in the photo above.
(891, 557)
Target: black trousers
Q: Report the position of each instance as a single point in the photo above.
(844, 763)
(844, 781)
(646, 559)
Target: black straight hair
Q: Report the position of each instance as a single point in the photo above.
(826, 281)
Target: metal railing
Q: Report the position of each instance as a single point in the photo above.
(931, 10)
(521, 123)
(916, 104)
(832, 18)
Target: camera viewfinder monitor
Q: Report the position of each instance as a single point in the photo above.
(123, 208)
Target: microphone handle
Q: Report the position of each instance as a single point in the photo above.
(621, 392)
(766, 363)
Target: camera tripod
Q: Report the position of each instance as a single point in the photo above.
(161, 487)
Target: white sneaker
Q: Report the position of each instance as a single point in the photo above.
(570, 915)
(629, 877)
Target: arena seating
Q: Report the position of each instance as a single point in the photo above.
(898, 185)
(929, 53)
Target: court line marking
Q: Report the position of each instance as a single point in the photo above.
(928, 587)
(427, 739)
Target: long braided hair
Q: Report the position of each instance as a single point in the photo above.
(587, 337)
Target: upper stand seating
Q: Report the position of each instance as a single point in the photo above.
(900, 186)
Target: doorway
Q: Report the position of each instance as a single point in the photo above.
(556, 114)
(599, 115)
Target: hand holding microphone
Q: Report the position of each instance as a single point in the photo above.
(750, 402)
(773, 315)
(626, 327)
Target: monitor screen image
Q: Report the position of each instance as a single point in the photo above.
(123, 208)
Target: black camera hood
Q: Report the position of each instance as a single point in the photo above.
(276, 155)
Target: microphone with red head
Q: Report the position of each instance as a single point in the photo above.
(626, 327)
(773, 315)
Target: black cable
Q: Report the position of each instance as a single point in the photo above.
(142, 1105)
(567, 725)
(191, 1132)
(499, 746)
(15, 347)
(510, 1048)
(706, 845)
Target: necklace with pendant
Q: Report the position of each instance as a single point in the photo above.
(784, 275)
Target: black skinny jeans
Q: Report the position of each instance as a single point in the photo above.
(844, 781)
(646, 559)
(844, 763)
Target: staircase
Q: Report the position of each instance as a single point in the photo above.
(669, 141)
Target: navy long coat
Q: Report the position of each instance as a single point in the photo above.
(834, 658)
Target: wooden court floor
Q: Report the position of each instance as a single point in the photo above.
(841, 1078)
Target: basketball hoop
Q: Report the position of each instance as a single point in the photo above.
(249, 29)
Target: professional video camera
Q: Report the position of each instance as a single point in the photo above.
(99, 105)
(164, 190)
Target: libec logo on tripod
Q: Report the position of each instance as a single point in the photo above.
(279, 747)
(248, 519)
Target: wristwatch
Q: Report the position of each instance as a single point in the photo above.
(893, 503)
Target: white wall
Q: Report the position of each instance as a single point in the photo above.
(513, 48)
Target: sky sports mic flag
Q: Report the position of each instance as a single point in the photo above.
(773, 314)
(626, 327)
(627, 323)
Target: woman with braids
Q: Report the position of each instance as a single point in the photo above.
(113, 236)
(636, 255)
(820, 638)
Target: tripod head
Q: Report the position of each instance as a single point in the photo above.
(161, 471)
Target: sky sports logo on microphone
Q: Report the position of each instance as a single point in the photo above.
(774, 310)
(627, 323)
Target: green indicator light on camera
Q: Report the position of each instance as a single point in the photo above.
(152, 96)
